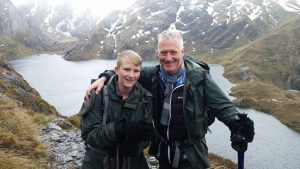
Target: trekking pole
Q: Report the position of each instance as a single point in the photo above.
(241, 160)
(239, 143)
(117, 156)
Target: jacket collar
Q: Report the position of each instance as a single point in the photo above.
(113, 94)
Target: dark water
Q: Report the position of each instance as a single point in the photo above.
(63, 84)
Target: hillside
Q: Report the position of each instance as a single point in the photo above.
(22, 112)
(19, 35)
(267, 70)
(9, 48)
(59, 19)
(209, 28)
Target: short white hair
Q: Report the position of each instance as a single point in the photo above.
(170, 34)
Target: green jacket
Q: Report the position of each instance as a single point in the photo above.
(101, 139)
(193, 108)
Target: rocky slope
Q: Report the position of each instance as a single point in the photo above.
(208, 26)
(60, 20)
(273, 58)
(23, 34)
(14, 24)
(267, 71)
(22, 111)
(13, 86)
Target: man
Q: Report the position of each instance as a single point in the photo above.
(182, 90)
(116, 136)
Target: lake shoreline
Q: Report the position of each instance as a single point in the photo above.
(269, 99)
(62, 84)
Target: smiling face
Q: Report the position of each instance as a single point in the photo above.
(170, 55)
(128, 74)
(128, 70)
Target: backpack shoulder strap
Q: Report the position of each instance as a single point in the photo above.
(209, 115)
(105, 99)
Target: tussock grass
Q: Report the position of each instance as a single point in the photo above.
(19, 147)
(283, 104)
(75, 120)
(9, 161)
(271, 61)
(217, 162)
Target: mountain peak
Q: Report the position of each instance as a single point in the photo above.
(207, 26)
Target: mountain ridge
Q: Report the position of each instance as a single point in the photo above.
(207, 27)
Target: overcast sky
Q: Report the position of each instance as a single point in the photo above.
(99, 7)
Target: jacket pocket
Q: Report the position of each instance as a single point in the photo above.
(196, 122)
(197, 154)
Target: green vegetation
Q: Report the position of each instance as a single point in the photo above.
(13, 48)
(270, 61)
(19, 147)
(22, 113)
(217, 162)
(75, 120)
(268, 98)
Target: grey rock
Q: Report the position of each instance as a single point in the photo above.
(3, 96)
(297, 68)
(51, 126)
(294, 82)
(244, 73)
(67, 146)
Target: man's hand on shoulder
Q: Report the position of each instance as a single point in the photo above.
(98, 85)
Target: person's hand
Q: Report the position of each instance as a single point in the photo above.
(98, 85)
(129, 148)
(242, 132)
(147, 133)
(134, 131)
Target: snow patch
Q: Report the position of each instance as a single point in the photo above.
(33, 10)
(134, 10)
(155, 13)
(210, 10)
(140, 34)
(256, 12)
(289, 7)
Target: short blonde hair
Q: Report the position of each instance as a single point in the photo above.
(130, 56)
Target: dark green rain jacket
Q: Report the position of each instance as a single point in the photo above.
(193, 108)
(101, 139)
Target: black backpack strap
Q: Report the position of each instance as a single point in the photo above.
(105, 100)
(210, 117)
